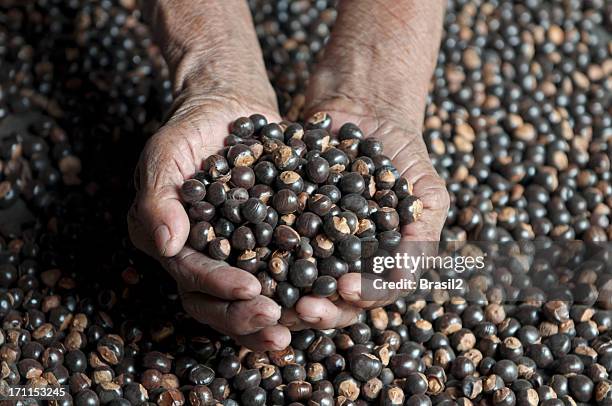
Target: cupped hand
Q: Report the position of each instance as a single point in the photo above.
(405, 146)
(224, 297)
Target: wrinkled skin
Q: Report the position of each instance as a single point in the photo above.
(228, 298)
(224, 297)
(214, 86)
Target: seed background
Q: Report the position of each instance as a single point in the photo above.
(521, 94)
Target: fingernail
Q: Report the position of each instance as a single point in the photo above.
(350, 296)
(310, 319)
(262, 320)
(271, 345)
(243, 293)
(162, 236)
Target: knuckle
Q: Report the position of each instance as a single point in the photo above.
(171, 264)
(234, 321)
(158, 164)
(185, 277)
(273, 311)
(439, 192)
(444, 198)
(192, 307)
(197, 279)
(434, 180)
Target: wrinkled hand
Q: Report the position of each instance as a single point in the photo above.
(224, 297)
(405, 146)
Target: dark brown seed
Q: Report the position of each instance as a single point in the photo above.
(349, 249)
(201, 395)
(302, 273)
(338, 162)
(219, 248)
(324, 286)
(321, 348)
(386, 219)
(200, 235)
(254, 211)
(316, 139)
(240, 155)
(317, 169)
(336, 227)
(403, 188)
(350, 131)
(202, 211)
(294, 131)
(265, 172)
(243, 127)
(299, 390)
(216, 167)
(287, 294)
(285, 201)
(282, 358)
(263, 234)
(248, 261)
(285, 158)
(29, 368)
(371, 147)
(110, 348)
(243, 239)
(355, 203)
(308, 224)
(242, 177)
(319, 120)
(386, 198)
(268, 284)
(352, 182)
(290, 180)
(347, 387)
(172, 397)
(272, 131)
(261, 192)
(278, 268)
(286, 238)
(504, 397)
(319, 204)
(323, 247)
(385, 178)
(410, 210)
(192, 191)
(216, 193)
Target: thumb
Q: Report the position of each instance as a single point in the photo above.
(158, 222)
(167, 221)
(158, 226)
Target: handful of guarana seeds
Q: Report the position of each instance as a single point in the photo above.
(297, 205)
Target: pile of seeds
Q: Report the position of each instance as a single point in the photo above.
(517, 124)
(549, 347)
(298, 207)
